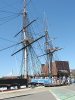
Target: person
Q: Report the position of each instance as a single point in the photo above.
(68, 80)
(60, 80)
(64, 80)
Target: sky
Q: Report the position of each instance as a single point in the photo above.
(60, 16)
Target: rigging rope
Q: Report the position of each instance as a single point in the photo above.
(9, 20)
(11, 5)
(36, 64)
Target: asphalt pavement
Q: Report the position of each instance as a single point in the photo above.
(41, 93)
(36, 93)
(34, 96)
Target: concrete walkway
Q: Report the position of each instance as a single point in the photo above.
(63, 93)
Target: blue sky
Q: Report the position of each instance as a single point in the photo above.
(61, 25)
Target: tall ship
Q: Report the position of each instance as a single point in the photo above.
(30, 48)
(35, 47)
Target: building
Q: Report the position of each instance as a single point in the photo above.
(44, 70)
(59, 68)
(72, 73)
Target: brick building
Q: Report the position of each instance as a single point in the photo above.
(59, 68)
(44, 70)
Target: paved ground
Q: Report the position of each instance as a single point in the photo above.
(41, 93)
(34, 96)
(64, 92)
